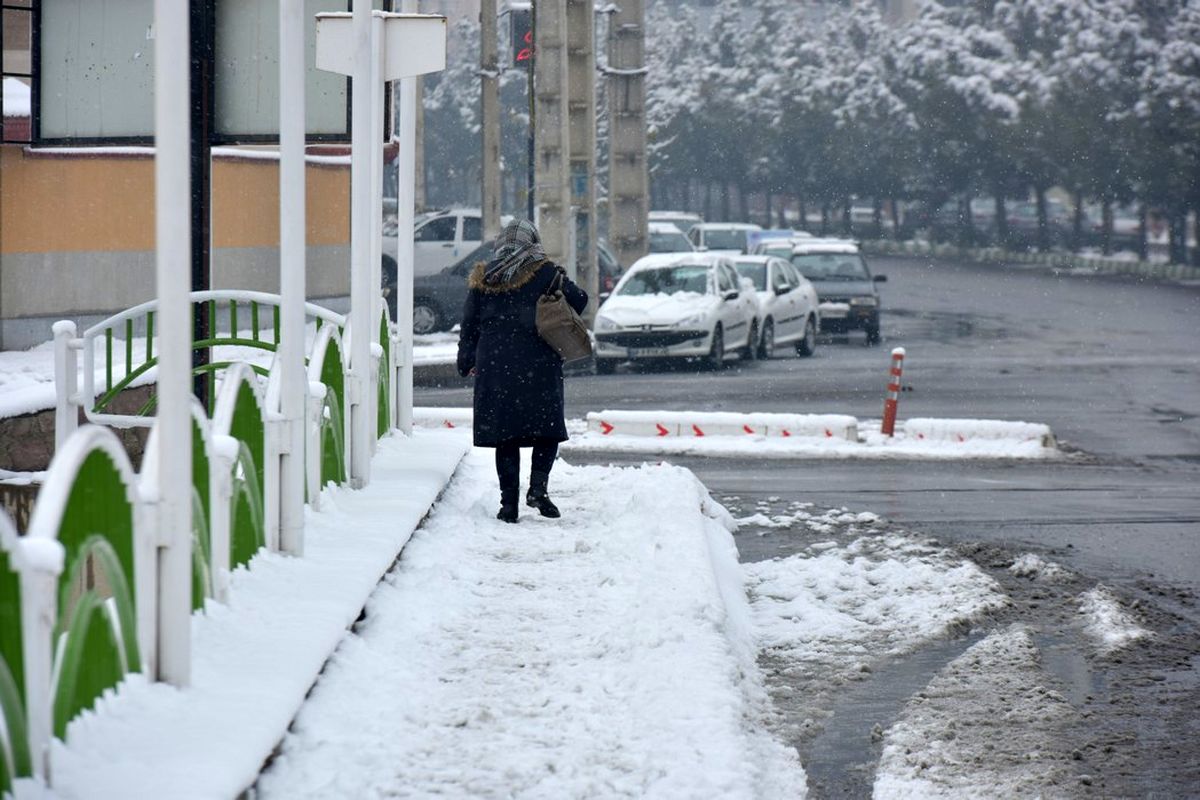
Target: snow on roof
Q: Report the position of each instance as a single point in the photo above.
(825, 246)
(729, 226)
(674, 215)
(659, 260)
(664, 227)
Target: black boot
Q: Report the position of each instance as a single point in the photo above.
(537, 497)
(508, 504)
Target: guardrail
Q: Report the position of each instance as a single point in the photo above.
(80, 595)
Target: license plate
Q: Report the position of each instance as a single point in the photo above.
(647, 352)
(836, 313)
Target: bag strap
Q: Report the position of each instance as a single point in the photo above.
(557, 279)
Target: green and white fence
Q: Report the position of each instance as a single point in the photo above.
(116, 560)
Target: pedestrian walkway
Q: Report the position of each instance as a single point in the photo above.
(606, 654)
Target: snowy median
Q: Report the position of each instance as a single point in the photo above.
(763, 435)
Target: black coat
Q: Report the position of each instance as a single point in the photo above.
(518, 380)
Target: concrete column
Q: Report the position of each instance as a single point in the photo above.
(551, 145)
(628, 190)
(581, 108)
(489, 71)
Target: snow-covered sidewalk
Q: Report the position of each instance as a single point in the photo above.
(255, 658)
(606, 654)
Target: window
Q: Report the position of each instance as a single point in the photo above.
(16, 70)
(438, 229)
(725, 280)
(472, 229)
(779, 278)
(756, 272)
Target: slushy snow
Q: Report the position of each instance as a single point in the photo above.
(1109, 625)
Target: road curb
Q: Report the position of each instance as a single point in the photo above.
(1054, 261)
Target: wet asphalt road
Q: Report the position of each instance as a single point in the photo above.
(1111, 364)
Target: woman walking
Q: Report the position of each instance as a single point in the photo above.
(518, 377)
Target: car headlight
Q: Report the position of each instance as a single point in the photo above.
(605, 324)
(864, 301)
(694, 321)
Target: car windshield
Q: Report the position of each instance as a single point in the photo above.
(831, 266)
(724, 239)
(683, 223)
(670, 242)
(755, 271)
(667, 280)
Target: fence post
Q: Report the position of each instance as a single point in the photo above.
(41, 563)
(66, 382)
(312, 441)
(893, 392)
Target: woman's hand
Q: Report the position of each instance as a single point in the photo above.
(472, 373)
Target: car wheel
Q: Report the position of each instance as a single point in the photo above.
(606, 366)
(808, 345)
(873, 336)
(750, 351)
(716, 356)
(766, 347)
(427, 317)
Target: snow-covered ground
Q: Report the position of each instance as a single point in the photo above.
(609, 654)
(255, 658)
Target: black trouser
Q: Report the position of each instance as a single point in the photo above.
(508, 461)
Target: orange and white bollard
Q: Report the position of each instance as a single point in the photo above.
(893, 393)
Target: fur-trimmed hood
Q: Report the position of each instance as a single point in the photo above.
(475, 281)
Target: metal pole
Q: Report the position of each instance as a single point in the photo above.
(292, 277)
(202, 34)
(172, 227)
(362, 140)
(405, 206)
(489, 76)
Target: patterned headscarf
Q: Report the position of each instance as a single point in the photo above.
(517, 247)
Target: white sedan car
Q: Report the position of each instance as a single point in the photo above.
(787, 304)
(677, 305)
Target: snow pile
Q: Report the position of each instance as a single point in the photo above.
(985, 727)
(606, 654)
(1109, 625)
(1031, 565)
(435, 348)
(254, 659)
(835, 609)
(697, 424)
(797, 513)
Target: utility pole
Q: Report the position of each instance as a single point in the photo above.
(581, 107)
(550, 131)
(628, 181)
(489, 76)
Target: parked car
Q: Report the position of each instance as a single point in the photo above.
(438, 298)
(780, 247)
(787, 304)
(440, 238)
(665, 237)
(677, 305)
(726, 237)
(849, 299)
(684, 220)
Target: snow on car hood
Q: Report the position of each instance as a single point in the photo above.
(655, 309)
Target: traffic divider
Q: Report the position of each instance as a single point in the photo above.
(969, 430)
(691, 424)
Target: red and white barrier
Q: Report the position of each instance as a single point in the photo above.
(962, 431)
(893, 392)
(691, 424)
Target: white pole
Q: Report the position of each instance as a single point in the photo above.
(378, 90)
(292, 277)
(173, 233)
(361, 142)
(406, 180)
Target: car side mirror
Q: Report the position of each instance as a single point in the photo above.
(733, 294)
(782, 290)
(880, 279)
